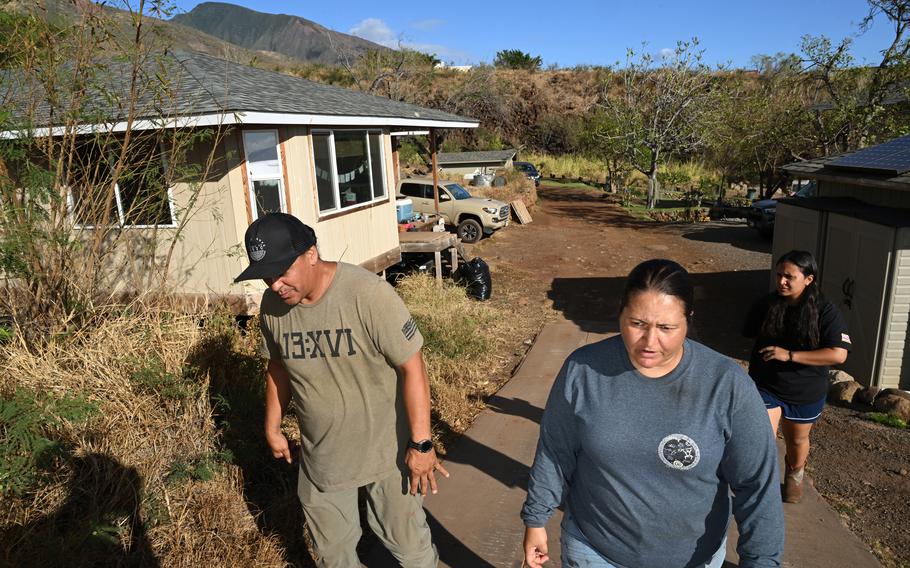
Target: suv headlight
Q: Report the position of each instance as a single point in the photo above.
(491, 210)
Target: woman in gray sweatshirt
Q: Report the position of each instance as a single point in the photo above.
(649, 440)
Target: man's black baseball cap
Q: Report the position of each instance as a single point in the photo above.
(273, 242)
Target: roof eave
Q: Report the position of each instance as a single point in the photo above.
(823, 174)
(248, 117)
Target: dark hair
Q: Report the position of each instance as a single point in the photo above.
(660, 275)
(802, 325)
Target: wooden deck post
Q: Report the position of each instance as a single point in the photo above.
(435, 170)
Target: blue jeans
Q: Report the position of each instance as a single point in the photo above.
(579, 554)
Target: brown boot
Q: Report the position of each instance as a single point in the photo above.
(793, 485)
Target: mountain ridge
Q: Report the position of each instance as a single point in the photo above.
(288, 35)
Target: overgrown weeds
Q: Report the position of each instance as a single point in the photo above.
(131, 467)
(463, 345)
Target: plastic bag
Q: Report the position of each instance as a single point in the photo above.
(474, 275)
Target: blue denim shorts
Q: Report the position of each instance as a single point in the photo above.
(577, 553)
(803, 413)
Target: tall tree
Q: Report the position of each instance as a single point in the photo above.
(657, 109)
(850, 103)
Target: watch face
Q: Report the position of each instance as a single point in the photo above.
(422, 446)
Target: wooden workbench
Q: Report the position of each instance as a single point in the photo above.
(429, 241)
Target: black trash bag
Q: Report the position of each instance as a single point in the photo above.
(474, 275)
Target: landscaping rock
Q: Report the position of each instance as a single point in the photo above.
(843, 393)
(893, 404)
(866, 395)
(837, 376)
(895, 392)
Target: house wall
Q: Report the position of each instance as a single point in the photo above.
(209, 253)
(895, 366)
(353, 236)
(199, 248)
(873, 195)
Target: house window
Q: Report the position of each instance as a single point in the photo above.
(140, 196)
(349, 169)
(264, 172)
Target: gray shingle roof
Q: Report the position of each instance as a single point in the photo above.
(480, 156)
(194, 84)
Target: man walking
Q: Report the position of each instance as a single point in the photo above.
(343, 348)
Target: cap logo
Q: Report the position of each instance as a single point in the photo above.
(257, 250)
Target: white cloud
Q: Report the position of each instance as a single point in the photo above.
(377, 31)
(667, 53)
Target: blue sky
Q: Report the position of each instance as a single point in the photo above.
(576, 32)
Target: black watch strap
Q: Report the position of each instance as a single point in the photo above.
(422, 446)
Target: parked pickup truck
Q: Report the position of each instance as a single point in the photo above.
(763, 213)
(472, 217)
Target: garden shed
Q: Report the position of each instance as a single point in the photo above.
(468, 163)
(319, 152)
(858, 228)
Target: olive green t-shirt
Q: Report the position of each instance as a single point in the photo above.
(342, 354)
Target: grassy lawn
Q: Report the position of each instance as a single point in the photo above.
(558, 184)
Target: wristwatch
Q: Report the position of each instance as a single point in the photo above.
(422, 446)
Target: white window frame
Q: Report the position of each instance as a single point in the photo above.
(251, 193)
(121, 220)
(334, 162)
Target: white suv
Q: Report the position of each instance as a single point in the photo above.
(471, 216)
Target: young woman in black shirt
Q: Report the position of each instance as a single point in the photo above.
(798, 335)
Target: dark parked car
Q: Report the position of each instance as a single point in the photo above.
(529, 170)
(762, 213)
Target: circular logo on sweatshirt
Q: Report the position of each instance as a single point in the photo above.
(678, 451)
(257, 250)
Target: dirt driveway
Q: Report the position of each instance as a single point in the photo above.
(572, 260)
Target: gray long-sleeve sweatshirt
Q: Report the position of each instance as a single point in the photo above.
(646, 466)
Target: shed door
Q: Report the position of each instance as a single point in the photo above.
(857, 265)
(797, 228)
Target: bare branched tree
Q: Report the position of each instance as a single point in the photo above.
(657, 108)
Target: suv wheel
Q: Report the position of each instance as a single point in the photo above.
(469, 231)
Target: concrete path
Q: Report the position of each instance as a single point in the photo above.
(474, 516)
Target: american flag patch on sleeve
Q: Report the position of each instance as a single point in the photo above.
(845, 338)
(409, 329)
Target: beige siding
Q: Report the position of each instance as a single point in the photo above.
(858, 255)
(355, 236)
(209, 254)
(199, 248)
(895, 367)
(797, 228)
(873, 195)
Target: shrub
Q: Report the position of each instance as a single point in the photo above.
(31, 425)
(887, 420)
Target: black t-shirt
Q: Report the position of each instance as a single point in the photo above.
(792, 382)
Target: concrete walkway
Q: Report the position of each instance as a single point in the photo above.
(474, 516)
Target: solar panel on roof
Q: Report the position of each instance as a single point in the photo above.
(889, 158)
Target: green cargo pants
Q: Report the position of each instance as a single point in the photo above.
(396, 517)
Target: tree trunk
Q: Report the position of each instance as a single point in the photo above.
(652, 189)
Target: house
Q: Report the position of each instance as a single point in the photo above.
(469, 163)
(321, 153)
(858, 228)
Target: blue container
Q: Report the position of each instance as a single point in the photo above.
(404, 209)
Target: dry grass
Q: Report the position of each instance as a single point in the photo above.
(171, 468)
(146, 480)
(517, 187)
(468, 348)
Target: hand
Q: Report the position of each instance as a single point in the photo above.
(774, 353)
(422, 467)
(535, 546)
(281, 448)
